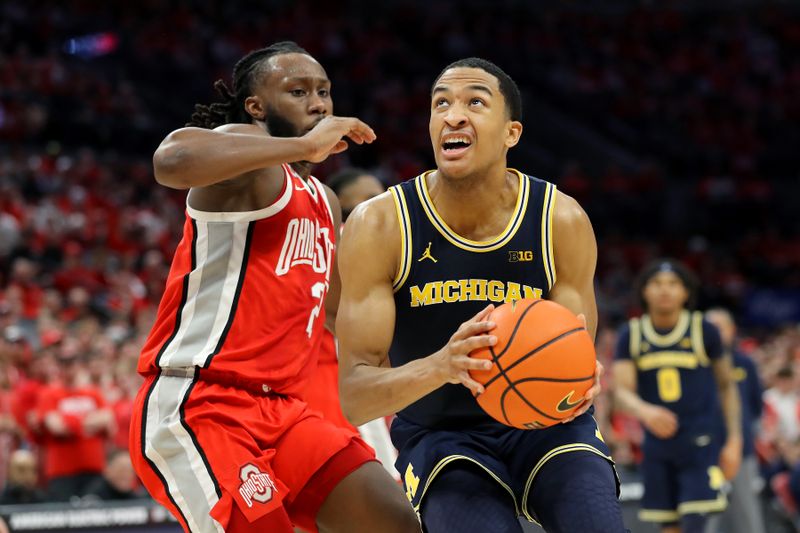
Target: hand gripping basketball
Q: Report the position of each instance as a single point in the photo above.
(544, 369)
(453, 361)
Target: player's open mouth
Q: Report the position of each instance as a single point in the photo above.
(455, 145)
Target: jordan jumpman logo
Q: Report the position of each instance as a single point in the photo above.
(427, 255)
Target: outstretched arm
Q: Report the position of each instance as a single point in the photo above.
(197, 157)
(368, 257)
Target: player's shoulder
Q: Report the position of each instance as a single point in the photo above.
(567, 211)
(375, 213)
(374, 219)
(368, 234)
(251, 129)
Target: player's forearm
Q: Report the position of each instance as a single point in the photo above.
(629, 402)
(196, 157)
(369, 392)
(731, 409)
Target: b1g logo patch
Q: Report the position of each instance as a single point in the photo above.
(518, 256)
(256, 485)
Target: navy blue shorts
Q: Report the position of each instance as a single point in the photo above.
(513, 457)
(685, 480)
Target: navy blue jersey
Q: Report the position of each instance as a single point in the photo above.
(674, 371)
(745, 374)
(444, 279)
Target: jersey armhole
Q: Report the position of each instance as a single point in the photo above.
(404, 222)
(272, 209)
(548, 207)
(324, 196)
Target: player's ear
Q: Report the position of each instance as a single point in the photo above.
(513, 133)
(254, 107)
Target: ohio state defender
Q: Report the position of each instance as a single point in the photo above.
(219, 434)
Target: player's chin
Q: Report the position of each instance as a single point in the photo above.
(454, 168)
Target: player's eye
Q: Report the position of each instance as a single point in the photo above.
(441, 102)
(297, 92)
(476, 101)
(323, 93)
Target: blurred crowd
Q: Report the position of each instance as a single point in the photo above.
(704, 101)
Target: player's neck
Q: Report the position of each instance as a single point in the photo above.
(469, 204)
(303, 168)
(665, 320)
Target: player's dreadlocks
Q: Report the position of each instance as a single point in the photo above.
(245, 73)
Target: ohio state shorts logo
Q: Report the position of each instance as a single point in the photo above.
(256, 485)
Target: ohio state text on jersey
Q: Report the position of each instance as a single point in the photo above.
(245, 291)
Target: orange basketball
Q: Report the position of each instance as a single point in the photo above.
(544, 363)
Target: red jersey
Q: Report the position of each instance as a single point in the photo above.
(244, 296)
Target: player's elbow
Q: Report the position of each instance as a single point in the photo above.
(169, 163)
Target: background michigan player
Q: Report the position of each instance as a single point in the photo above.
(670, 372)
(416, 263)
(743, 514)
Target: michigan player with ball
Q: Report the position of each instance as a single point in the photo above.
(417, 262)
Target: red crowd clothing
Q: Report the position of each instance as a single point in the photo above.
(244, 296)
(123, 409)
(78, 452)
(24, 407)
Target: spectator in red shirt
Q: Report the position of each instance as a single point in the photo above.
(77, 423)
(38, 372)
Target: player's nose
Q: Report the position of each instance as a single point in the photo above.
(455, 117)
(318, 106)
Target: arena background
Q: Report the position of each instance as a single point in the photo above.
(674, 123)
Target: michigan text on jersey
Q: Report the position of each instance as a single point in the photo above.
(462, 290)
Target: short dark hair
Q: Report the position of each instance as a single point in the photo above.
(508, 87)
(245, 73)
(686, 276)
(342, 178)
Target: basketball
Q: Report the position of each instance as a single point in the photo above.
(544, 362)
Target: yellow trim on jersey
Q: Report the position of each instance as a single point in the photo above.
(475, 246)
(654, 515)
(696, 336)
(548, 259)
(667, 359)
(703, 506)
(566, 448)
(635, 341)
(670, 338)
(449, 459)
(404, 222)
